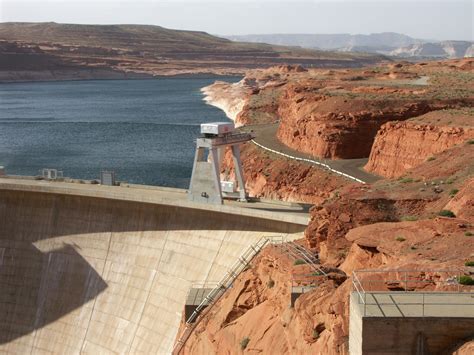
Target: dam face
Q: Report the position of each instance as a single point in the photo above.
(81, 274)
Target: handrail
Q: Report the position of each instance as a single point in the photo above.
(425, 295)
(298, 249)
(355, 278)
(225, 283)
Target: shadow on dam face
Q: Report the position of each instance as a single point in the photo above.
(39, 288)
(92, 275)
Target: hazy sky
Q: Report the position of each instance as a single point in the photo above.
(427, 19)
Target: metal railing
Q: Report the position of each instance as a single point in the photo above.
(420, 293)
(221, 286)
(297, 251)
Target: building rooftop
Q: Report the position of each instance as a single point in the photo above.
(415, 304)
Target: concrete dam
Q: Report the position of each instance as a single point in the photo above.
(97, 269)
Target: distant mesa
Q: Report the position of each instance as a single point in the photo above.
(52, 51)
(387, 43)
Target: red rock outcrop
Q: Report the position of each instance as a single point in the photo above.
(464, 349)
(400, 146)
(419, 243)
(425, 191)
(258, 310)
(341, 127)
(270, 176)
(462, 203)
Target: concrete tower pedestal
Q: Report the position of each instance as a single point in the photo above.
(205, 186)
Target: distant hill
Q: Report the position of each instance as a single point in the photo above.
(377, 41)
(444, 49)
(387, 43)
(145, 50)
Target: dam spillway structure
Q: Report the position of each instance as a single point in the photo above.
(206, 185)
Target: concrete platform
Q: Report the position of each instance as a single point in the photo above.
(194, 299)
(414, 304)
(297, 291)
(409, 322)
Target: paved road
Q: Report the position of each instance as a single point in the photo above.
(266, 136)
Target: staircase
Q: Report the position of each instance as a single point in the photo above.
(225, 283)
(297, 251)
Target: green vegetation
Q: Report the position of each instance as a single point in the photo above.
(466, 280)
(431, 159)
(470, 141)
(244, 342)
(315, 334)
(469, 263)
(450, 180)
(453, 192)
(446, 213)
(299, 262)
(406, 180)
(409, 218)
(342, 254)
(413, 247)
(270, 283)
(468, 234)
(400, 239)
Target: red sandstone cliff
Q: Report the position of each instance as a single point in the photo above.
(400, 146)
(341, 127)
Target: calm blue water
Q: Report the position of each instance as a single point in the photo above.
(142, 129)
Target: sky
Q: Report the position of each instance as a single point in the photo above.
(424, 19)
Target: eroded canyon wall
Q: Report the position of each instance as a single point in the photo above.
(400, 146)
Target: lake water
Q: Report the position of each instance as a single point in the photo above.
(144, 130)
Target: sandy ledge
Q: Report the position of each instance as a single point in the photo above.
(229, 97)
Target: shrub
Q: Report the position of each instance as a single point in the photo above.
(450, 180)
(470, 141)
(469, 263)
(299, 262)
(406, 180)
(465, 280)
(453, 192)
(270, 283)
(409, 218)
(315, 334)
(342, 254)
(468, 234)
(244, 342)
(431, 159)
(400, 239)
(446, 213)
